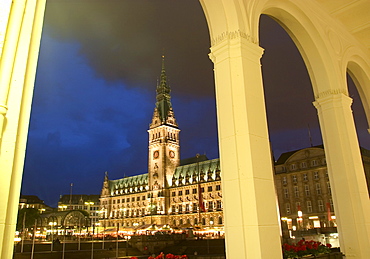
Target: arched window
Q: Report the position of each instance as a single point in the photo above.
(220, 220)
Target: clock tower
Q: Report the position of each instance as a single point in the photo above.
(164, 146)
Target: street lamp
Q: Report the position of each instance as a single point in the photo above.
(97, 228)
(51, 224)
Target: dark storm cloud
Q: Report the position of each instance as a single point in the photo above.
(124, 40)
(95, 91)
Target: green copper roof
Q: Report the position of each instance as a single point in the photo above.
(130, 184)
(163, 103)
(188, 174)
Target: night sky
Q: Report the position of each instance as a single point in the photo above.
(95, 91)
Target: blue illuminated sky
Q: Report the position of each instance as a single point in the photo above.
(95, 91)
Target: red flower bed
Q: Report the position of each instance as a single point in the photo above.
(168, 256)
(303, 248)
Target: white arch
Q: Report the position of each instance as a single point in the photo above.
(252, 229)
(322, 42)
(359, 70)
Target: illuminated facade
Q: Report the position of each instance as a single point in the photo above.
(305, 194)
(332, 37)
(170, 192)
(88, 203)
(32, 201)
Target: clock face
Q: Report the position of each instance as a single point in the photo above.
(156, 154)
(172, 154)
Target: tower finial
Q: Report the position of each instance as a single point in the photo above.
(163, 69)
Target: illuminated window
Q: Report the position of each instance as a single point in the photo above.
(210, 205)
(305, 177)
(316, 175)
(286, 193)
(309, 206)
(316, 224)
(283, 180)
(218, 205)
(294, 179)
(287, 208)
(307, 190)
(296, 191)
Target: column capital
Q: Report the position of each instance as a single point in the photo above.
(233, 44)
(332, 98)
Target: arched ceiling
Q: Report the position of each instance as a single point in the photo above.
(353, 14)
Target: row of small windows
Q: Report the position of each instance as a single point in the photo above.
(82, 207)
(195, 190)
(307, 190)
(305, 164)
(309, 207)
(170, 135)
(130, 190)
(194, 207)
(205, 221)
(316, 176)
(175, 222)
(132, 199)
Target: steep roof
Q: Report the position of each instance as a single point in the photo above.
(285, 156)
(134, 183)
(209, 170)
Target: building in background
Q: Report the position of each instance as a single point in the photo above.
(32, 201)
(173, 192)
(188, 193)
(88, 203)
(304, 194)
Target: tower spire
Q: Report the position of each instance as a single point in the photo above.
(163, 105)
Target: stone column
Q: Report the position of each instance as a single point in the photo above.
(250, 207)
(17, 74)
(346, 173)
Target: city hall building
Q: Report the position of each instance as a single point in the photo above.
(187, 193)
(174, 192)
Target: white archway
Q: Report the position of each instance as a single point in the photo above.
(323, 44)
(250, 209)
